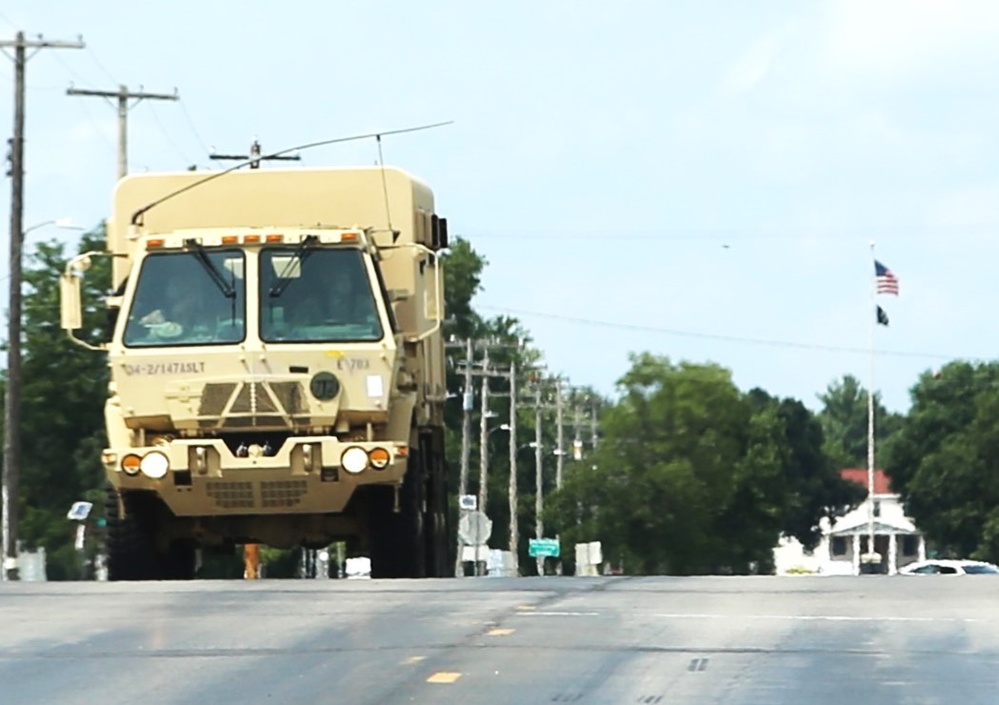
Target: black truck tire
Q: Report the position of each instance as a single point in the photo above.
(132, 548)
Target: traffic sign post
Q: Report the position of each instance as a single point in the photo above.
(544, 548)
(474, 529)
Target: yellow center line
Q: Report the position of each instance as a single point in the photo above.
(444, 677)
(413, 659)
(500, 632)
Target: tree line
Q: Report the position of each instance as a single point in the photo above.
(690, 474)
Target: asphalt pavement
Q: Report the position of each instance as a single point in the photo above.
(733, 640)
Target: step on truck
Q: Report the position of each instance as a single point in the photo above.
(277, 368)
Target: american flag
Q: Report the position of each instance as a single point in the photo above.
(887, 282)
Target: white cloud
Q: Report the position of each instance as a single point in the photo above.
(896, 36)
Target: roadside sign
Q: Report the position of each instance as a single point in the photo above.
(79, 511)
(469, 502)
(543, 548)
(474, 529)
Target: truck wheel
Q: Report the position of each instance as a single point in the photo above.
(398, 543)
(439, 564)
(130, 544)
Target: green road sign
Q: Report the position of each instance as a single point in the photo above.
(548, 548)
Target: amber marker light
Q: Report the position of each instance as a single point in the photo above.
(130, 464)
(379, 458)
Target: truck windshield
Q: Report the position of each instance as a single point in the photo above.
(325, 297)
(179, 300)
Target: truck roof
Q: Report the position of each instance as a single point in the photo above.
(363, 197)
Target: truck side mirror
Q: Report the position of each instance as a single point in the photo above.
(71, 298)
(442, 233)
(438, 233)
(70, 308)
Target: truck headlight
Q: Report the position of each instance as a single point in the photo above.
(154, 465)
(354, 460)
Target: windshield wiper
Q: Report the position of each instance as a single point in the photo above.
(227, 289)
(302, 252)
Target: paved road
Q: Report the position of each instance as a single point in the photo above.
(737, 641)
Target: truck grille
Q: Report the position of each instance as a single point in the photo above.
(231, 495)
(282, 493)
(242, 495)
(252, 404)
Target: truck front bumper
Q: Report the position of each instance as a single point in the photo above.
(202, 477)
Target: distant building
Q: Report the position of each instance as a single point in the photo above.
(845, 540)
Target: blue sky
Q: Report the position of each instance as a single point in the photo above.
(700, 180)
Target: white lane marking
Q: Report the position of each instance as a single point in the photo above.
(819, 618)
(785, 617)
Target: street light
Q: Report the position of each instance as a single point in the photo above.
(12, 402)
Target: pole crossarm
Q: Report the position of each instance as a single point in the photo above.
(139, 95)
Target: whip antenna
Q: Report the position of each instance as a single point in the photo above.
(137, 216)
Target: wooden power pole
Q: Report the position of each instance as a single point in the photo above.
(12, 398)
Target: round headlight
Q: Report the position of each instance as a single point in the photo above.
(154, 465)
(130, 464)
(354, 460)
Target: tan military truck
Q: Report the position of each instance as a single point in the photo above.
(276, 368)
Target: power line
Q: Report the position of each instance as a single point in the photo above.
(71, 70)
(194, 130)
(721, 337)
(101, 66)
(166, 134)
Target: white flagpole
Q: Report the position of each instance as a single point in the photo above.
(872, 315)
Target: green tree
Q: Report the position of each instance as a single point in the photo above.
(844, 422)
(462, 281)
(945, 459)
(814, 488)
(664, 469)
(63, 391)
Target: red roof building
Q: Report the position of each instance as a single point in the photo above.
(859, 475)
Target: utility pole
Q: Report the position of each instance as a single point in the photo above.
(467, 402)
(539, 494)
(559, 452)
(255, 155)
(514, 534)
(593, 424)
(577, 441)
(483, 445)
(12, 398)
(123, 95)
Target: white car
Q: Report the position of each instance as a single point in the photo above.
(945, 566)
